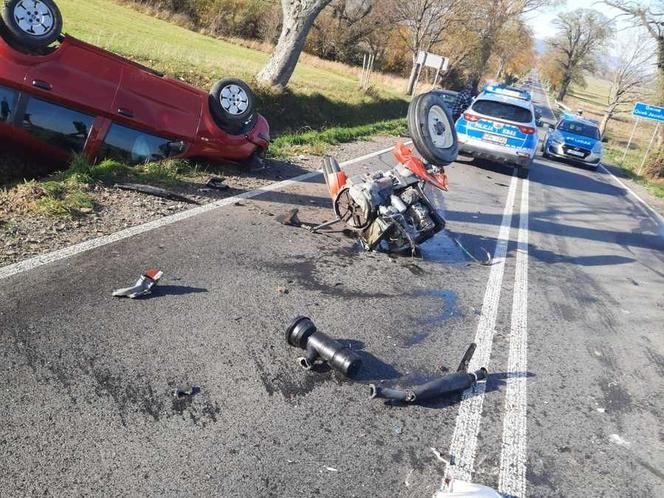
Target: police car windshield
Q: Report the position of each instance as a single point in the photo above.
(576, 128)
(501, 110)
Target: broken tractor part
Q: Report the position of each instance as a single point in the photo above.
(143, 285)
(458, 381)
(302, 333)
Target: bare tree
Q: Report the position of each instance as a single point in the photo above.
(629, 78)
(489, 18)
(581, 34)
(298, 17)
(425, 21)
(649, 15)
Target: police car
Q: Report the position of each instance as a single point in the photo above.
(575, 139)
(500, 126)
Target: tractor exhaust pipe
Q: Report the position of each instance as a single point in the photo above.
(302, 333)
(458, 381)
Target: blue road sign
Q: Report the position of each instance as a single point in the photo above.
(647, 111)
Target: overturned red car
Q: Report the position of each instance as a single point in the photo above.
(60, 96)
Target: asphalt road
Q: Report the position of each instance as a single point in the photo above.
(569, 323)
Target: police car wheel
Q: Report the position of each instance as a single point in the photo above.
(432, 129)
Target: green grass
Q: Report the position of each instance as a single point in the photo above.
(614, 154)
(320, 95)
(318, 142)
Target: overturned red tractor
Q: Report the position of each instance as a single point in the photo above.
(396, 210)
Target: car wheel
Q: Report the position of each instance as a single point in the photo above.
(32, 24)
(432, 129)
(233, 106)
(523, 172)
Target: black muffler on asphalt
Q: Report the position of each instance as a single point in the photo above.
(302, 333)
(458, 381)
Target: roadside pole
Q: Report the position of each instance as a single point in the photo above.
(645, 157)
(629, 142)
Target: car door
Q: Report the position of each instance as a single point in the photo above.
(158, 104)
(79, 75)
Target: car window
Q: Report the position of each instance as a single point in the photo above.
(585, 130)
(501, 110)
(133, 146)
(8, 99)
(56, 125)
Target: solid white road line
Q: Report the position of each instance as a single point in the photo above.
(512, 478)
(464, 440)
(30, 264)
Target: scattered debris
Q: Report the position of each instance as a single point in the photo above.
(143, 285)
(448, 384)
(331, 469)
(485, 262)
(156, 191)
(601, 410)
(282, 290)
(290, 218)
(185, 392)
(217, 183)
(616, 439)
(439, 456)
(302, 333)
(397, 430)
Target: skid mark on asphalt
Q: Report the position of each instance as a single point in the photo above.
(512, 481)
(464, 440)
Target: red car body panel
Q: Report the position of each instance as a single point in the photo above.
(91, 80)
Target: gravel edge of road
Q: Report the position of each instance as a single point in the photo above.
(25, 237)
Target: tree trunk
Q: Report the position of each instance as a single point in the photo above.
(298, 17)
(564, 86)
(608, 114)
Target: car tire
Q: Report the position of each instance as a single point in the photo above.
(34, 29)
(233, 106)
(523, 172)
(432, 129)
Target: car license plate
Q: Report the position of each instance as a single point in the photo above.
(575, 153)
(495, 139)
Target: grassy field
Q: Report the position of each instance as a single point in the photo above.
(593, 99)
(320, 95)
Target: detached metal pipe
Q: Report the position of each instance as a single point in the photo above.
(302, 333)
(452, 383)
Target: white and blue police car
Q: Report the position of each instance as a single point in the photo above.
(500, 125)
(574, 139)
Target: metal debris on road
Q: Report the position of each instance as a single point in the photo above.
(485, 262)
(303, 333)
(143, 285)
(186, 392)
(290, 218)
(217, 183)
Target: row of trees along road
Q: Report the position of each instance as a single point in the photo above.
(491, 33)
